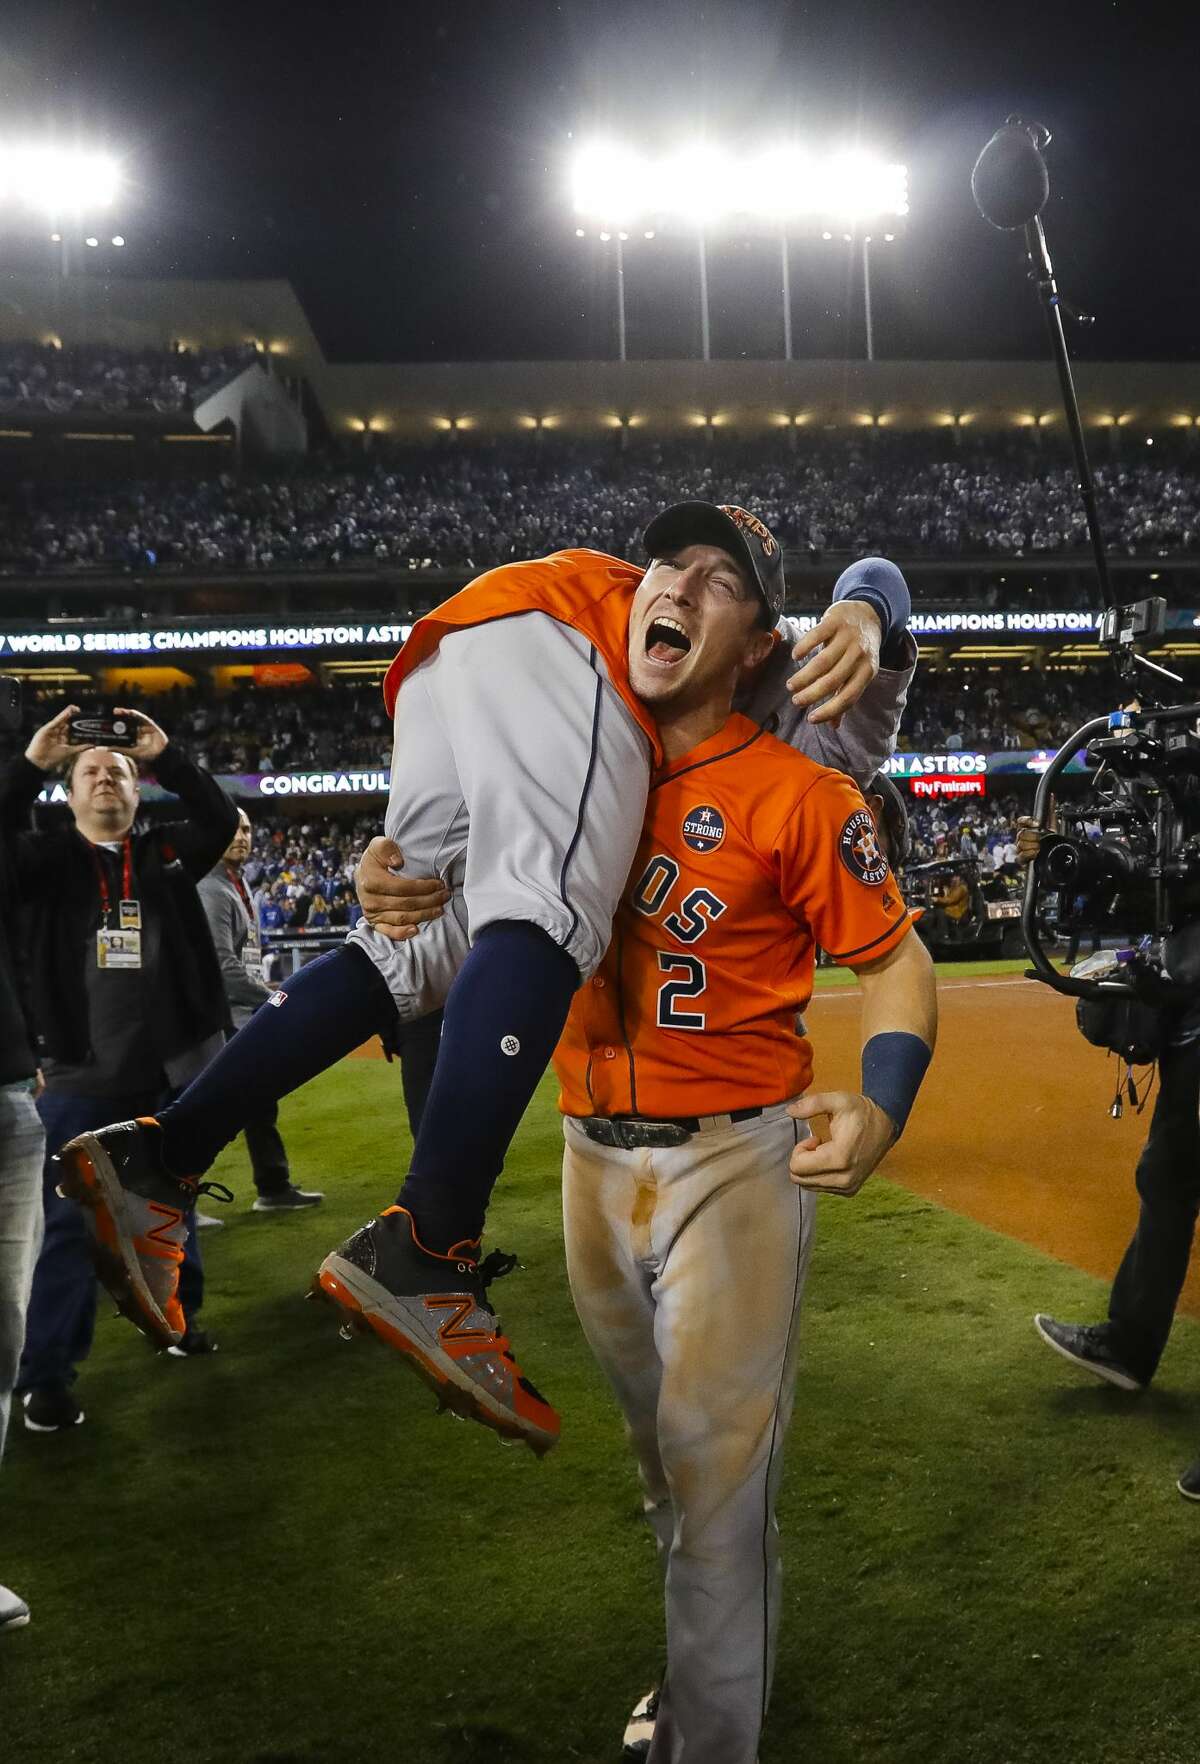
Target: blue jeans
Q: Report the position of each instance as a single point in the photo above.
(20, 1220)
(62, 1304)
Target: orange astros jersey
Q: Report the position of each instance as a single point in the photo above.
(585, 589)
(751, 855)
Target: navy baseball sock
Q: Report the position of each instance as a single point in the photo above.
(505, 1013)
(323, 1013)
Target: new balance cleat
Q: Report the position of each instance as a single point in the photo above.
(434, 1310)
(138, 1212)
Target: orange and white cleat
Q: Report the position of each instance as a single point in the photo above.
(434, 1310)
(138, 1212)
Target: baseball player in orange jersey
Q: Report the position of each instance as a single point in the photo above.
(689, 1179)
(522, 764)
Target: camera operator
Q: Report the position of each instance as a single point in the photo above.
(127, 999)
(21, 1145)
(235, 935)
(1125, 1350)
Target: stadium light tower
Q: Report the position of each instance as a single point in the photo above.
(697, 187)
(61, 186)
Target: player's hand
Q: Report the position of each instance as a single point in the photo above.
(49, 747)
(149, 740)
(396, 905)
(846, 659)
(859, 1132)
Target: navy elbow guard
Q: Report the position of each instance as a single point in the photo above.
(893, 1066)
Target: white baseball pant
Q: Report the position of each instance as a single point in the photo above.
(519, 776)
(687, 1267)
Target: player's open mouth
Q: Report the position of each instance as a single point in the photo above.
(667, 642)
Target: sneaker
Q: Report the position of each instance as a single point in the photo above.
(51, 1409)
(286, 1200)
(1189, 1483)
(639, 1730)
(14, 1612)
(138, 1211)
(195, 1341)
(434, 1310)
(206, 1222)
(1089, 1345)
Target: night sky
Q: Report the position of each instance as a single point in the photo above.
(405, 166)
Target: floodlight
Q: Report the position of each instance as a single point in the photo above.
(118, 240)
(779, 184)
(855, 187)
(697, 183)
(58, 180)
(608, 183)
(93, 242)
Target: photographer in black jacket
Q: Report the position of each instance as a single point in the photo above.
(1126, 1348)
(20, 1164)
(127, 999)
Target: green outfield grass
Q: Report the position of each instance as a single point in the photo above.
(284, 1556)
(944, 970)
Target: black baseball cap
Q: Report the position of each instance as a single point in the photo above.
(732, 529)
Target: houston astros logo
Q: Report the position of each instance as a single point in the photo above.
(858, 848)
(703, 828)
(741, 517)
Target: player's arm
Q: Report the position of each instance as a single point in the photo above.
(842, 706)
(899, 1031)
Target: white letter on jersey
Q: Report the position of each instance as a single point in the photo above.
(658, 879)
(698, 912)
(692, 987)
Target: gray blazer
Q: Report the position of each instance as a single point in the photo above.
(230, 927)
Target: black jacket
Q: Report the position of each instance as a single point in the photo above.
(16, 1041)
(55, 876)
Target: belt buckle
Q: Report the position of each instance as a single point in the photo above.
(637, 1135)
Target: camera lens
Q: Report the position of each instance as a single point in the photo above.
(1067, 865)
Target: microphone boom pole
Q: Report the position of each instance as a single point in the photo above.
(1010, 184)
(1041, 273)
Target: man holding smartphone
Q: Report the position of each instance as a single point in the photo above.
(127, 998)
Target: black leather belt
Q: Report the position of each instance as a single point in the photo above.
(634, 1132)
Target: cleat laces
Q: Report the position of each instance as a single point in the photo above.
(494, 1266)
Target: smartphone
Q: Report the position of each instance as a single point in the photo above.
(102, 731)
(10, 704)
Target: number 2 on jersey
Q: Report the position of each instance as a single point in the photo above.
(671, 990)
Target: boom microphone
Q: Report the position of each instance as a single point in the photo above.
(1010, 182)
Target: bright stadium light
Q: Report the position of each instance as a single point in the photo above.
(608, 184)
(699, 185)
(58, 180)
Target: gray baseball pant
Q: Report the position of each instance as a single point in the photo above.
(519, 776)
(687, 1268)
(21, 1146)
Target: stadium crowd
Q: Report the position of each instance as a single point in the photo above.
(460, 507)
(975, 831)
(47, 377)
(301, 875)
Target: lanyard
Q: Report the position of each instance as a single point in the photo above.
(235, 876)
(126, 877)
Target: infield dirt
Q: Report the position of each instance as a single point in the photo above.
(1012, 1127)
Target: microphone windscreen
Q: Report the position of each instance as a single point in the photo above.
(1010, 182)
